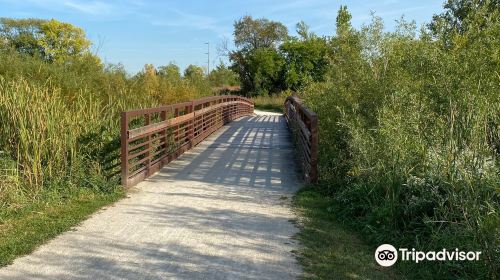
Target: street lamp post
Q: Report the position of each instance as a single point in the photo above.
(208, 57)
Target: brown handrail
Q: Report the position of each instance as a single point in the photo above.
(153, 137)
(304, 125)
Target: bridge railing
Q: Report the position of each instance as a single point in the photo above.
(304, 125)
(153, 137)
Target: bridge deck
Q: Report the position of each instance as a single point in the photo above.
(220, 211)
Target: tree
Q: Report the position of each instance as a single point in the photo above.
(150, 80)
(464, 16)
(252, 33)
(303, 30)
(306, 58)
(62, 40)
(223, 76)
(458, 14)
(343, 21)
(52, 40)
(257, 60)
(346, 46)
(22, 34)
(195, 77)
(265, 67)
(170, 72)
(193, 73)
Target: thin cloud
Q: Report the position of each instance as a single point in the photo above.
(190, 20)
(93, 8)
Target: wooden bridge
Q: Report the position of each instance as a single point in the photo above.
(151, 138)
(210, 184)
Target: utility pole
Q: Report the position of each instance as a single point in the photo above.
(208, 57)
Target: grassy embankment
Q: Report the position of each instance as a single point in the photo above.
(331, 250)
(52, 213)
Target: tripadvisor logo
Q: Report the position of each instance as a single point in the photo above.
(387, 255)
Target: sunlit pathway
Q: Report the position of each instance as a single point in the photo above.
(220, 211)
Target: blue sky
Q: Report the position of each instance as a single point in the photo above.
(135, 32)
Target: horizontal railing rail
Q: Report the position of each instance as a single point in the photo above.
(153, 137)
(304, 125)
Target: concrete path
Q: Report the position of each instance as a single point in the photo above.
(220, 211)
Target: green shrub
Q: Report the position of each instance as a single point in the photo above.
(409, 140)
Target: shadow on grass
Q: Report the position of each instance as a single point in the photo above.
(330, 250)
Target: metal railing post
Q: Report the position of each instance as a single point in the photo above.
(124, 148)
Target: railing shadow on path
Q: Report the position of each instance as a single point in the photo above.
(252, 152)
(219, 211)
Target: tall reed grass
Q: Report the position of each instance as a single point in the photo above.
(60, 121)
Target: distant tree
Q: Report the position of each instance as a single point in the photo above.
(22, 34)
(115, 76)
(265, 67)
(195, 77)
(223, 76)
(194, 73)
(346, 45)
(50, 39)
(151, 80)
(118, 69)
(252, 33)
(303, 30)
(257, 60)
(343, 21)
(457, 14)
(462, 15)
(62, 40)
(306, 58)
(170, 71)
(347, 68)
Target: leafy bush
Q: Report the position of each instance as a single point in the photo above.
(409, 137)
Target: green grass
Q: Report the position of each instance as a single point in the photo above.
(329, 249)
(23, 230)
(269, 103)
(269, 108)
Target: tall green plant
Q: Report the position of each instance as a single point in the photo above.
(409, 136)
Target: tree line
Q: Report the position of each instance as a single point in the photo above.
(268, 60)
